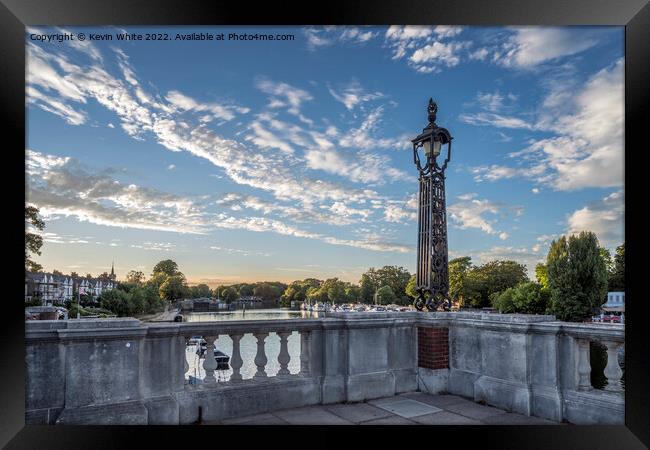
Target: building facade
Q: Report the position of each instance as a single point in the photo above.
(54, 289)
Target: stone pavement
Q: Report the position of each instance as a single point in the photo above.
(413, 408)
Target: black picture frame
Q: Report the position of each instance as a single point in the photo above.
(633, 14)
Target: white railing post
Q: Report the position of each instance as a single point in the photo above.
(260, 357)
(584, 364)
(236, 361)
(283, 356)
(210, 363)
(613, 371)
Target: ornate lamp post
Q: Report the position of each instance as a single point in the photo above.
(432, 278)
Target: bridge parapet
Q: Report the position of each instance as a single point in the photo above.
(115, 371)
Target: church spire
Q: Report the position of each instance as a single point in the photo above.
(113, 270)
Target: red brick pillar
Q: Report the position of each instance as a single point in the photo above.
(433, 348)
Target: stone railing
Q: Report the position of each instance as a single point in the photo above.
(530, 364)
(116, 371)
(124, 371)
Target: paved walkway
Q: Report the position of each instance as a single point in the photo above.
(406, 409)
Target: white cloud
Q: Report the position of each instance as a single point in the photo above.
(63, 187)
(469, 214)
(605, 217)
(171, 167)
(353, 94)
(531, 46)
(182, 102)
(283, 94)
(445, 31)
(535, 190)
(587, 149)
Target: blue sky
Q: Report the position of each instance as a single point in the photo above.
(281, 160)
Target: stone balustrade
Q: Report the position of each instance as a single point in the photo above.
(115, 371)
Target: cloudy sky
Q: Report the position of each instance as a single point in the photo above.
(281, 160)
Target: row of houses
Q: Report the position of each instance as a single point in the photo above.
(55, 289)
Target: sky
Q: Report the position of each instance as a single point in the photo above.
(250, 160)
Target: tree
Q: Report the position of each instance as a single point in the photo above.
(607, 259)
(367, 287)
(230, 295)
(616, 278)
(246, 290)
(168, 267)
(458, 286)
(135, 277)
(334, 290)
(173, 288)
(352, 293)
(317, 295)
(385, 295)
(541, 274)
(33, 241)
(577, 276)
(267, 291)
(203, 290)
(410, 288)
(74, 275)
(485, 281)
(525, 298)
(57, 272)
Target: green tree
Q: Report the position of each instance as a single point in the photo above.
(385, 295)
(230, 295)
(203, 290)
(525, 298)
(458, 286)
(577, 276)
(33, 241)
(616, 278)
(367, 288)
(168, 267)
(541, 274)
(317, 295)
(267, 291)
(483, 282)
(173, 288)
(410, 288)
(607, 259)
(335, 290)
(246, 290)
(352, 293)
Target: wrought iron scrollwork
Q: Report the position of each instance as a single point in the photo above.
(432, 277)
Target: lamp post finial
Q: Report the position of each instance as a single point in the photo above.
(432, 109)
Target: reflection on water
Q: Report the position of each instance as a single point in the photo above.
(251, 314)
(248, 343)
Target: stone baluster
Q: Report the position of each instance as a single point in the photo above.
(305, 338)
(584, 365)
(186, 365)
(613, 371)
(235, 360)
(283, 356)
(260, 357)
(210, 363)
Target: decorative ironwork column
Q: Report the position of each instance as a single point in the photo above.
(432, 277)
